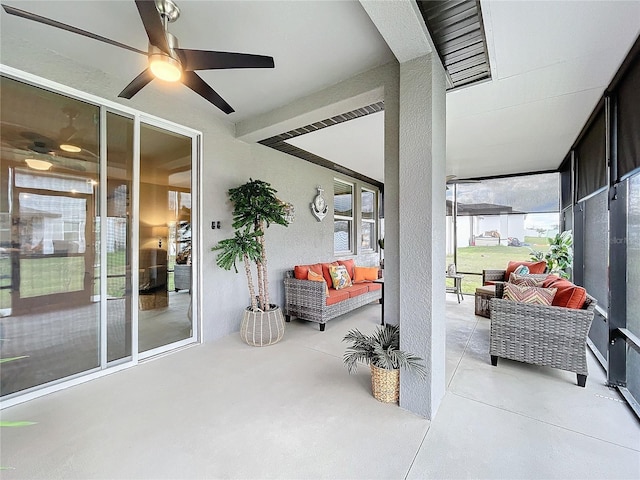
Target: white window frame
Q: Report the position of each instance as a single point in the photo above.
(373, 221)
(344, 217)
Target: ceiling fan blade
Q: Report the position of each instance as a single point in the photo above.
(136, 84)
(208, 60)
(195, 83)
(153, 24)
(63, 26)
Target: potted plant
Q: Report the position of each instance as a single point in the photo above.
(255, 207)
(381, 351)
(559, 258)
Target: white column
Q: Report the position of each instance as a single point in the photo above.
(422, 234)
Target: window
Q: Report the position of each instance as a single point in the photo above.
(342, 216)
(368, 237)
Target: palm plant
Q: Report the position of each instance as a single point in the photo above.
(255, 207)
(559, 258)
(382, 350)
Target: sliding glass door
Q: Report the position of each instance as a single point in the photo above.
(95, 237)
(50, 276)
(164, 283)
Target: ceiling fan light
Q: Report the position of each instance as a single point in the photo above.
(38, 164)
(68, 147)
(165, 68)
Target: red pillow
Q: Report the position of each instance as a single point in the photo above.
(349, 264)
(550, 280)
(534, 267)
(568, 294)
(326, 274)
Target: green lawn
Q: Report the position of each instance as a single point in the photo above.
(472, 260)
(51, 275)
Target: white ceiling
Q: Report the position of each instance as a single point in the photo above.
(314, 44)
(357, 144)
(550, 63)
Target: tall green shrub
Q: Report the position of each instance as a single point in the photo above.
(255, 208)
(559, 258)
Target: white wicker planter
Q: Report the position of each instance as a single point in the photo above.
(261, 328)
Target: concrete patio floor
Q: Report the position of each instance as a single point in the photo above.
(226, 410)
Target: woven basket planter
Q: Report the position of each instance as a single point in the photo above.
(385, 384)
(261, 328)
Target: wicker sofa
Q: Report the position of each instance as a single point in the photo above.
(317, 302)
(542, 335)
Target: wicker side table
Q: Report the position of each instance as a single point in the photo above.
(483, 298)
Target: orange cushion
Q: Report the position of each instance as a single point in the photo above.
(550, 280)
(336, 296)
(316, 277)
(365, 274)
(568, 294)
(374, 286)
(300, 271)
(349, 264)
(534, 267)
(355, 290)
(326, 274)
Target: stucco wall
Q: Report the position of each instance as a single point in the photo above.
(227, 162)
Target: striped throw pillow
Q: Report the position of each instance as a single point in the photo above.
(525, 281)
(532, 295)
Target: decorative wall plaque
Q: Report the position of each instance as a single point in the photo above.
(319, 206)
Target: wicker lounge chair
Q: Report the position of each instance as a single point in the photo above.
(541, 335)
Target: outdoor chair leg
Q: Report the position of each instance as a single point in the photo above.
(322, 327)
(287, 318)
(582, 380)
(494, 360)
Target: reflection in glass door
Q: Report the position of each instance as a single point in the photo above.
(49, 208)
(164, 282)
(70, 272)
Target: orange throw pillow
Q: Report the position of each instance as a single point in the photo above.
(365, 274)
(534, 267)
(315, 277)
(568, 295)
(300, 271)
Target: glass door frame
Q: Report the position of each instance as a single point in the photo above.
(195, 231)
(196, 185)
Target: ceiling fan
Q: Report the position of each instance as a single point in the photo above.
(165, 59)
(40, 152)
